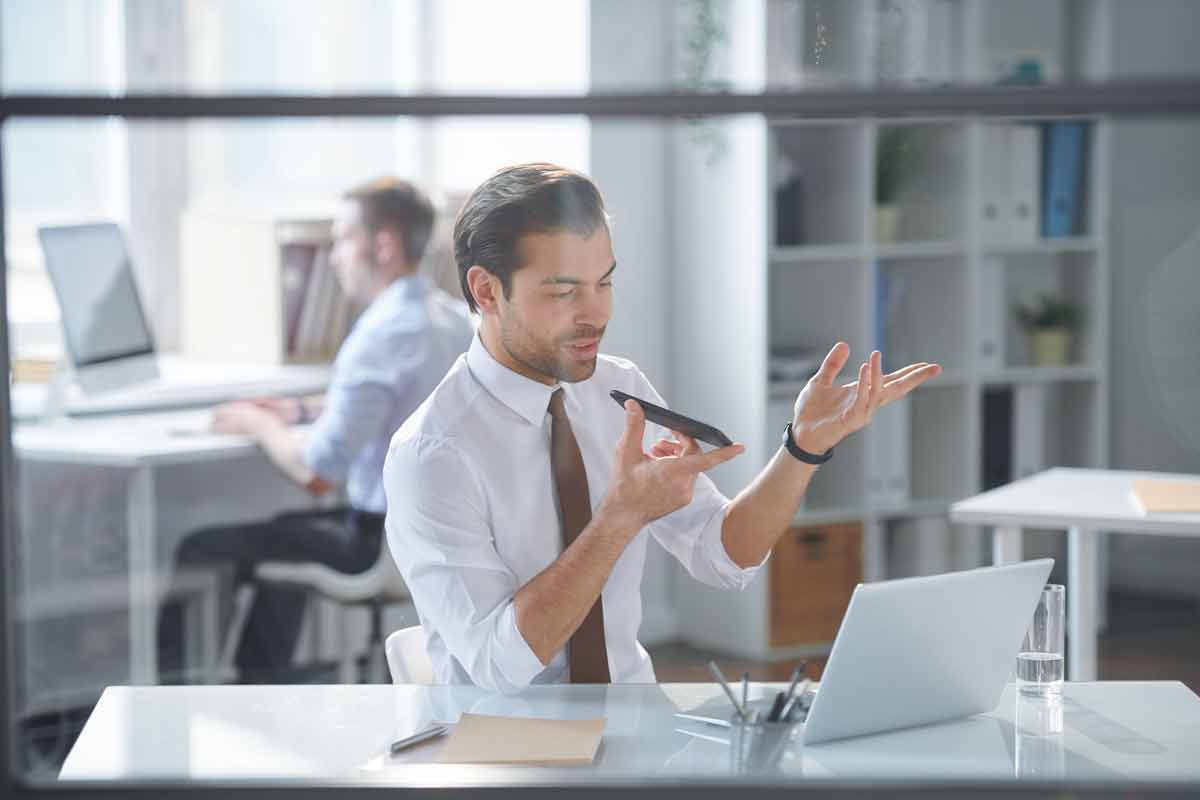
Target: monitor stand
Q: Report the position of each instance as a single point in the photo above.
(68, 383)
(122, 373)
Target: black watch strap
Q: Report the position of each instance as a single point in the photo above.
(800, 453)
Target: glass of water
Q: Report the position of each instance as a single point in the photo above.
(1040, 660)
(1038, 751)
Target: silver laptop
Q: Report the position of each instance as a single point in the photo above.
(921, 650)
(116, 366)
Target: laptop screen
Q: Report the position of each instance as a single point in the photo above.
(102, 316)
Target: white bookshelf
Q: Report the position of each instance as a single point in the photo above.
(241, 274)
(958, 284)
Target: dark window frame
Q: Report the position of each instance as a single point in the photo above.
(1125, 98)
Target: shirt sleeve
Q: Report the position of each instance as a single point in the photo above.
(439, 536)
(361, 398)
(692, 534)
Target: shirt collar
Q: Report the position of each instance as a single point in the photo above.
(527, 397)
(398, 293)
(401, 289)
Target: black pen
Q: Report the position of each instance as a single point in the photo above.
(776, 707)
(793, 700)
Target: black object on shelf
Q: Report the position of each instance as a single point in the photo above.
(789, 212)
(996, 468)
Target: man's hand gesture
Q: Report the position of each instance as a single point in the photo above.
(825, 412)
(648, 486)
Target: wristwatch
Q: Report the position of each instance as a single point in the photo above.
(800, 453)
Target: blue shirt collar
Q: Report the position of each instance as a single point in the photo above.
(406, 287)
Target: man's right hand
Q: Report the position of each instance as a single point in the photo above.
(287, 410)
(646, 487)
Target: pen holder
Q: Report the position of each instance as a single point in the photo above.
(757, 746)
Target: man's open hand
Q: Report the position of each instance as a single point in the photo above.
(825, 412)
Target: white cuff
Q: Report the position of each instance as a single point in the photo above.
(515, 661)
(726, 570)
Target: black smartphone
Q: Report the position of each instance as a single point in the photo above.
(676, 422)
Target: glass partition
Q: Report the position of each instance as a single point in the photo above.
(1045, 261)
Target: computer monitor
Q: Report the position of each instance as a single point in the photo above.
(107, 336)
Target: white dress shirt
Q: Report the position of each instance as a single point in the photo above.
(472, 517)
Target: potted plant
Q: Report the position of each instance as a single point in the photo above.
(896, 155)
(1049, 328)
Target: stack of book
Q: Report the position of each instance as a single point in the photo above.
(317, 314)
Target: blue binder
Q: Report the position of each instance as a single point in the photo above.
(1062, 187)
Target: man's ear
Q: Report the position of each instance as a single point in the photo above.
(388, 244)
(485, 288)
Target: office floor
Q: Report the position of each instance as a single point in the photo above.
(1148, 638)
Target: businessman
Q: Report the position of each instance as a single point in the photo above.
(399, 348)
(521, 498)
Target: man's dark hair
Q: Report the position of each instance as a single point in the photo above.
(515, 202)
(394, 203)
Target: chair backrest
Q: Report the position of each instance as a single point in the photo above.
(406, 657)
(381, 580)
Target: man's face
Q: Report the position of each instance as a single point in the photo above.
(353, 252)
(560, 303)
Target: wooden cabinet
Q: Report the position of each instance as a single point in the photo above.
(813, 572)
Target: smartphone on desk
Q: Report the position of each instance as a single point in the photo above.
(676, 422)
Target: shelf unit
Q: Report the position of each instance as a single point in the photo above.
(949, 287)
(260, 290)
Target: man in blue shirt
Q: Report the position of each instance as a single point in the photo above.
(397, 352)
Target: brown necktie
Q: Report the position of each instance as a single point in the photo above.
(587, 654)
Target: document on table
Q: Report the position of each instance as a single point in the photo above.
(1157, 496)
(484, 739)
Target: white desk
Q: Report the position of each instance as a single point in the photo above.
(1136, 731)
(239, 483)
(184, 383)
(1086, 503)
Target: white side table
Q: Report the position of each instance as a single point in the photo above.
(1085, 503)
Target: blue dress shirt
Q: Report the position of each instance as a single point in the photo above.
(397, 352)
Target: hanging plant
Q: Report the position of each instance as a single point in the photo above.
(703, 36)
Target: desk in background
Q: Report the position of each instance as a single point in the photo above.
(1135, 731)
(106, 500)
(1086, 503)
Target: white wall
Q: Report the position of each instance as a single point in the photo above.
(1155, 210)
(720, 297)
(630, 161)
(156, 160)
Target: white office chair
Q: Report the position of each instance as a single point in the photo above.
(407, 658)
(374, 588)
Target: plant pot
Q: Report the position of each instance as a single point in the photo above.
(887, 223)
(1050, 347)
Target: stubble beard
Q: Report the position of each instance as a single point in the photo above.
(545, 360)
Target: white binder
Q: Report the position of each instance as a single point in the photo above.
(889, 455)
(993, 314)
(1029, 429)
(1010, 197)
